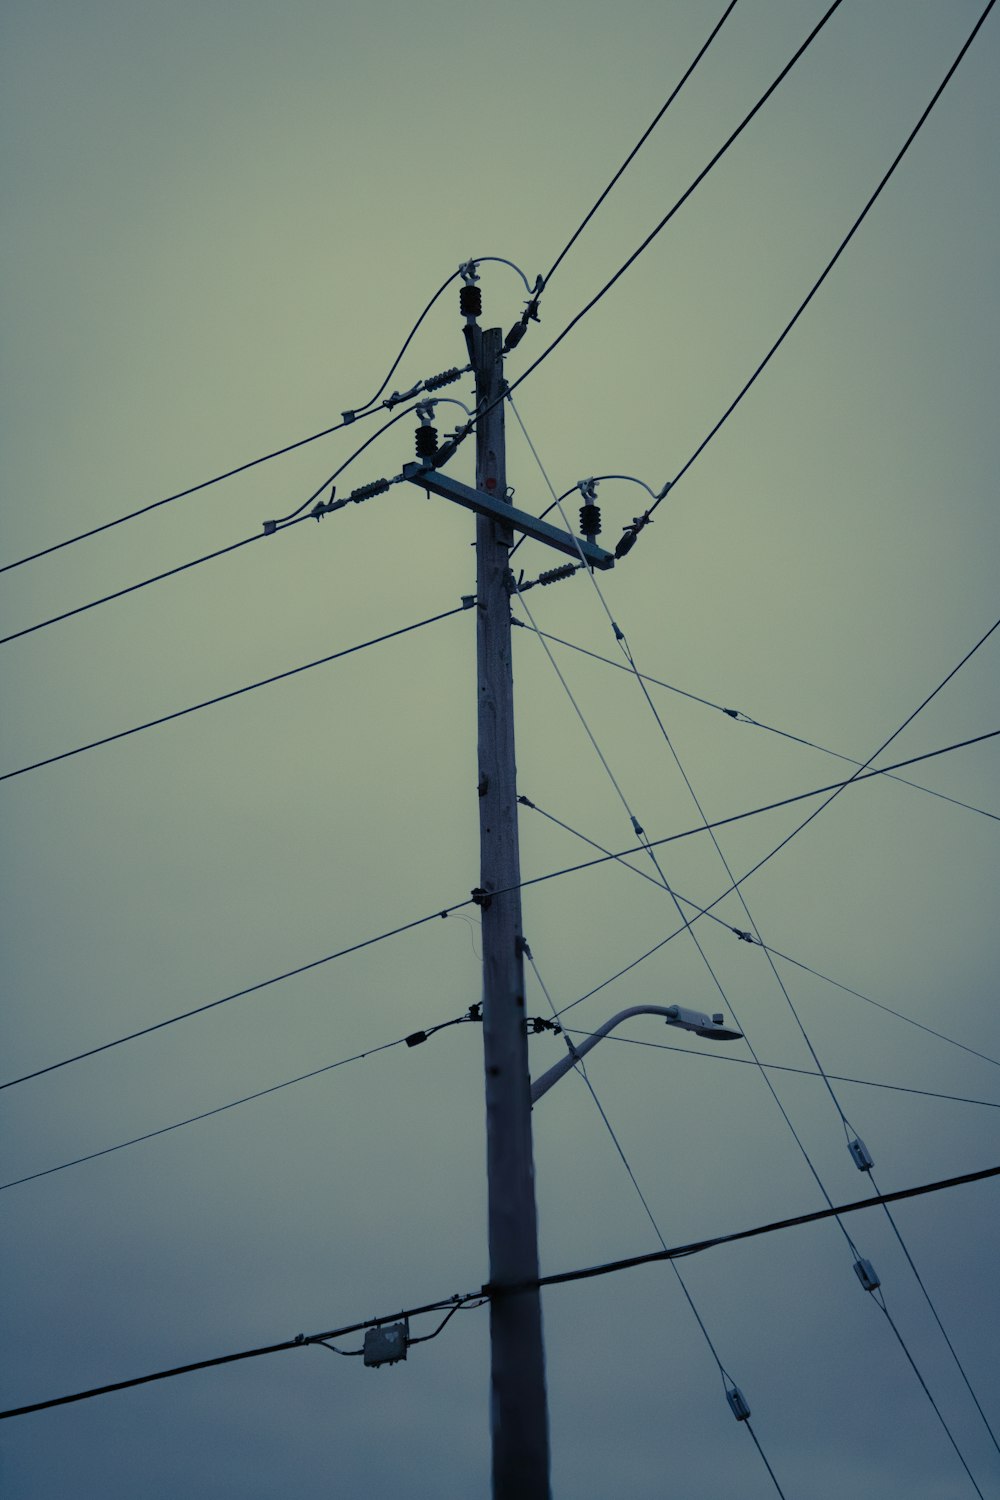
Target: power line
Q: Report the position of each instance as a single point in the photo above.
(682, 199)
(705, 911)
(559, 1278)
(250, 989)
(833, 261)
(737, 716)
(728, 1383)
(748, 1062)
(234, 692)
(641, 141)
(234, 1103)
(258, 536)
(470, 901)
(348, 417)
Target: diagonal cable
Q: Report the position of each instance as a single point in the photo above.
(728, 1382)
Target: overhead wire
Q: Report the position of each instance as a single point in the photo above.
(470, 901)
(257, 536)
(748, 1062)
(221, 1109)
(728, 1383)
(737, 716)
(641, 142)
(233, 693)
(836, 256)
(704, 911)
(347, 419)
(621, 638)
(937, 1318)
(717, 157)
(556, 1278)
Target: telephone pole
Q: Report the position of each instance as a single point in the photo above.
(518, 1406)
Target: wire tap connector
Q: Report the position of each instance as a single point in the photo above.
(630, 534)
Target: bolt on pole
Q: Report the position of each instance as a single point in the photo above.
(518, 1406)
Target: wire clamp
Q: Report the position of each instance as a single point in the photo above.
(744, 937)
(482, 898)
(475, 1012)
(863, 1159)
(537, 1024)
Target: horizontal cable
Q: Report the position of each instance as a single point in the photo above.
(469, 901)
(586, 1273)
(233, 693)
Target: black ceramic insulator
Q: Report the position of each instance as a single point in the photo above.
(470, 301)
(427, 442)
(590, 520)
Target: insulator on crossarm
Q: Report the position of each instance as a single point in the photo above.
(426, 441)
(590, 521)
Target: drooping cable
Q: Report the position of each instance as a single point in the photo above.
(641, 141)
(250, 687)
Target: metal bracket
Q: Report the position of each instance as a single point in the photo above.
(507, 515)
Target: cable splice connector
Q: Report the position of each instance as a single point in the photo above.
(862, 1157)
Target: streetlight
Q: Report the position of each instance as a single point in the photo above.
(712, 1027)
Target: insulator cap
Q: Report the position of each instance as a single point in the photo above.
(470, 301)
(590, 520)
(426, 441)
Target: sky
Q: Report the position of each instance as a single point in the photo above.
(222, 220)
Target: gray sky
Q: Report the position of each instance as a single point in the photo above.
(221, 221)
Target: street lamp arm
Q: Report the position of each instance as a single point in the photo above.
(674, 1015)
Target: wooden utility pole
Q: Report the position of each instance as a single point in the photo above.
(518, 1407)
